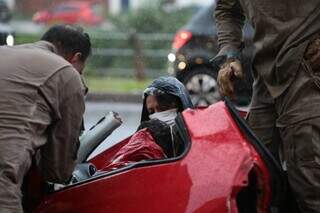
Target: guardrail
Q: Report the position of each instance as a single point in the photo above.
(121, 54)
(138, 55)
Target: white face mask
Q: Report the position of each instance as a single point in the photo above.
(167, 116)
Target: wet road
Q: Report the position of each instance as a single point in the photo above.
(129, 112)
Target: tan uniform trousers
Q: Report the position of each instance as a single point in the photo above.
(16, 160)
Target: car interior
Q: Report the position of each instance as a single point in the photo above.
(92, 170)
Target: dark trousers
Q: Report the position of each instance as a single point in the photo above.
(292, 121)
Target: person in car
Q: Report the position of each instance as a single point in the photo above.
(41, 109)
(163, 99)
(286, 88)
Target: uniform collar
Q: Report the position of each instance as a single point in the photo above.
(46, 46)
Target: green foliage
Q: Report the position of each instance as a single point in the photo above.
(115, 85)
(26, 38)
(152, 20)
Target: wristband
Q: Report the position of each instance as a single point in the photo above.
(221, 59)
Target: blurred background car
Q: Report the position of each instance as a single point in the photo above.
(5, 13)
(193, 47)
(71, 12)
(6, 31)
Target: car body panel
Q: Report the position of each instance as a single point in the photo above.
(207, 177)
(5, 13)
(73, 12)
(202, 23)
(6, 31)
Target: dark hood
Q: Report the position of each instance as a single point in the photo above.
(169, 85)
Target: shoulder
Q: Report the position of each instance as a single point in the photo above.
(69, 80)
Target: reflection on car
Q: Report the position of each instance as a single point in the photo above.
(193, 47)
(222, 168)
(70, 12)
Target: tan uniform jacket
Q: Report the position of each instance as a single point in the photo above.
(283, 29)
(41, 109)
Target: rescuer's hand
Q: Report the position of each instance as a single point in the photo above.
(230, 70)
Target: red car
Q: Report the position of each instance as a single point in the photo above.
(71, 12)
(223, 168)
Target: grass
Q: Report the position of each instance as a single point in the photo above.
(116, 85)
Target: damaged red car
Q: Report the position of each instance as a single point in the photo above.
(223, 167)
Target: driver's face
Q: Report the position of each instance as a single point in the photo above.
(153, 105)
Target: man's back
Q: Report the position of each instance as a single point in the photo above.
(37, 90)
(26, 100)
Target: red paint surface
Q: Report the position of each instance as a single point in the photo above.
(207, 179)
(74, 12)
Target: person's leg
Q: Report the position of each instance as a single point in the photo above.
(14, 162)
(302, 155)
(299, 126)
(262, 118)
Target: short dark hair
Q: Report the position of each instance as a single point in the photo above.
(69, 39)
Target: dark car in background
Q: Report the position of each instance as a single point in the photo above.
(6, 31)
(193, 47)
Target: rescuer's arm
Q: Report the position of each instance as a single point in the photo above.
(230, 20)
(58, 155)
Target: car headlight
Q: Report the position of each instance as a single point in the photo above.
(182, 65)
(10, 40)
(171, 57)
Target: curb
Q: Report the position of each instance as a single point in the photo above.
(114, 97)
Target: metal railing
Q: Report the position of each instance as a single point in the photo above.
(141, 57)
(122, 54)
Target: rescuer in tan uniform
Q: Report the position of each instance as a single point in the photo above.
(286, 89)
(41, 109)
